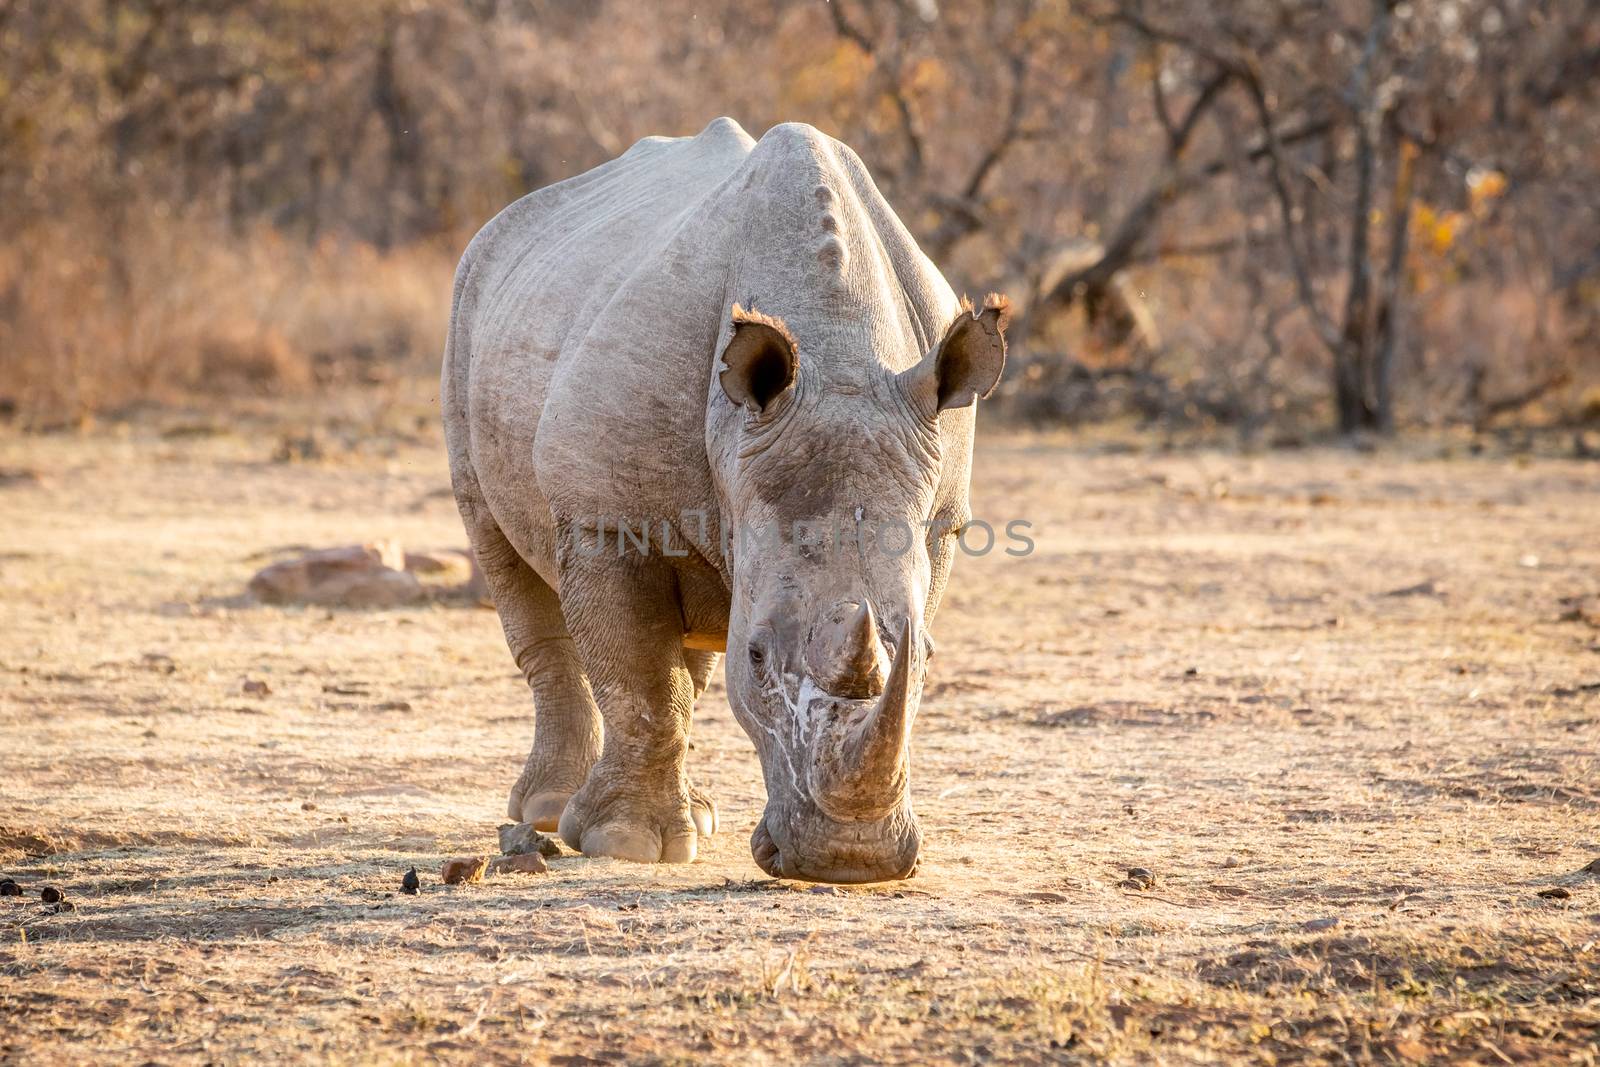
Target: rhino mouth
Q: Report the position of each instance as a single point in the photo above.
(844, 814)
(810, 847)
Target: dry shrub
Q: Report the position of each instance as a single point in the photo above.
(101, 311)
(1470, 352)
(1492, 344)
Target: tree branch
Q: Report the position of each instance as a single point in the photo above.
(890, 68)
(1276, 168)
(964, 213)
(1136, 224)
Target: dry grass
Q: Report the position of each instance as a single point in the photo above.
(103, 311)
(101, 314)
(1350, 799)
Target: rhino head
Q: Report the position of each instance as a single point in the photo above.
(835, 495)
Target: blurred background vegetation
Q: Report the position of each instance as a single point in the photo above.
(1280, 216)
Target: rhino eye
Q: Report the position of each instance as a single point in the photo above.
(758, 656)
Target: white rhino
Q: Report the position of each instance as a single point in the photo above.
(663, 376)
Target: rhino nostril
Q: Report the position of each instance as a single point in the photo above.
(765, 850)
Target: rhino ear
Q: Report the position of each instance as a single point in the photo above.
(760, 360)
(966, 366)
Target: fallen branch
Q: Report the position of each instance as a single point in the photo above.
(1492, 409)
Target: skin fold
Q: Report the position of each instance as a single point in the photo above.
(710, 396)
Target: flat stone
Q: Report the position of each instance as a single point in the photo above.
(525, 863)
(520, 839)
(354, 576)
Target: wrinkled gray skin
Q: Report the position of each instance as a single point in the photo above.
(719, 338)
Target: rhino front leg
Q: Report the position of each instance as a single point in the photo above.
(637, 803)
(566, 737)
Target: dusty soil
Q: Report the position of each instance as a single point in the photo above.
(1333, 701)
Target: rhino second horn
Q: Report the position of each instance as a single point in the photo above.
(845, 657)
(865, 662)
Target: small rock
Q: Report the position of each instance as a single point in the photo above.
(62, 905)
(294, 448)
(1426, 588)
(1584, 608)
(1231, 861)
(9, 888)
(411, 883)
(10, 476)
(824, 890)
(1320, 924)
(468, 869)
(522, 863)
(308, 806)
(51, 895)
(519, 838)
(1141, 877)
(1556, 892)
(254, 687)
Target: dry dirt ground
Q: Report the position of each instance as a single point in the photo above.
(1332, 700)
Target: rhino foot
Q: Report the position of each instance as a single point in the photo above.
(620, 827)
(542, 809)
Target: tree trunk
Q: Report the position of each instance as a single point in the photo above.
(1391, 311)
(1349, 388)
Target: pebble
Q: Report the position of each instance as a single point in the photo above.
(9, 888)
(1556, 892)
(1231, 861)
(51, 895)
(468, 869)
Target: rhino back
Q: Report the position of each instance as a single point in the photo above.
(595, 309)
(532, 285)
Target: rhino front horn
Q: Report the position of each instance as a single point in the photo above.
(864, 773)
